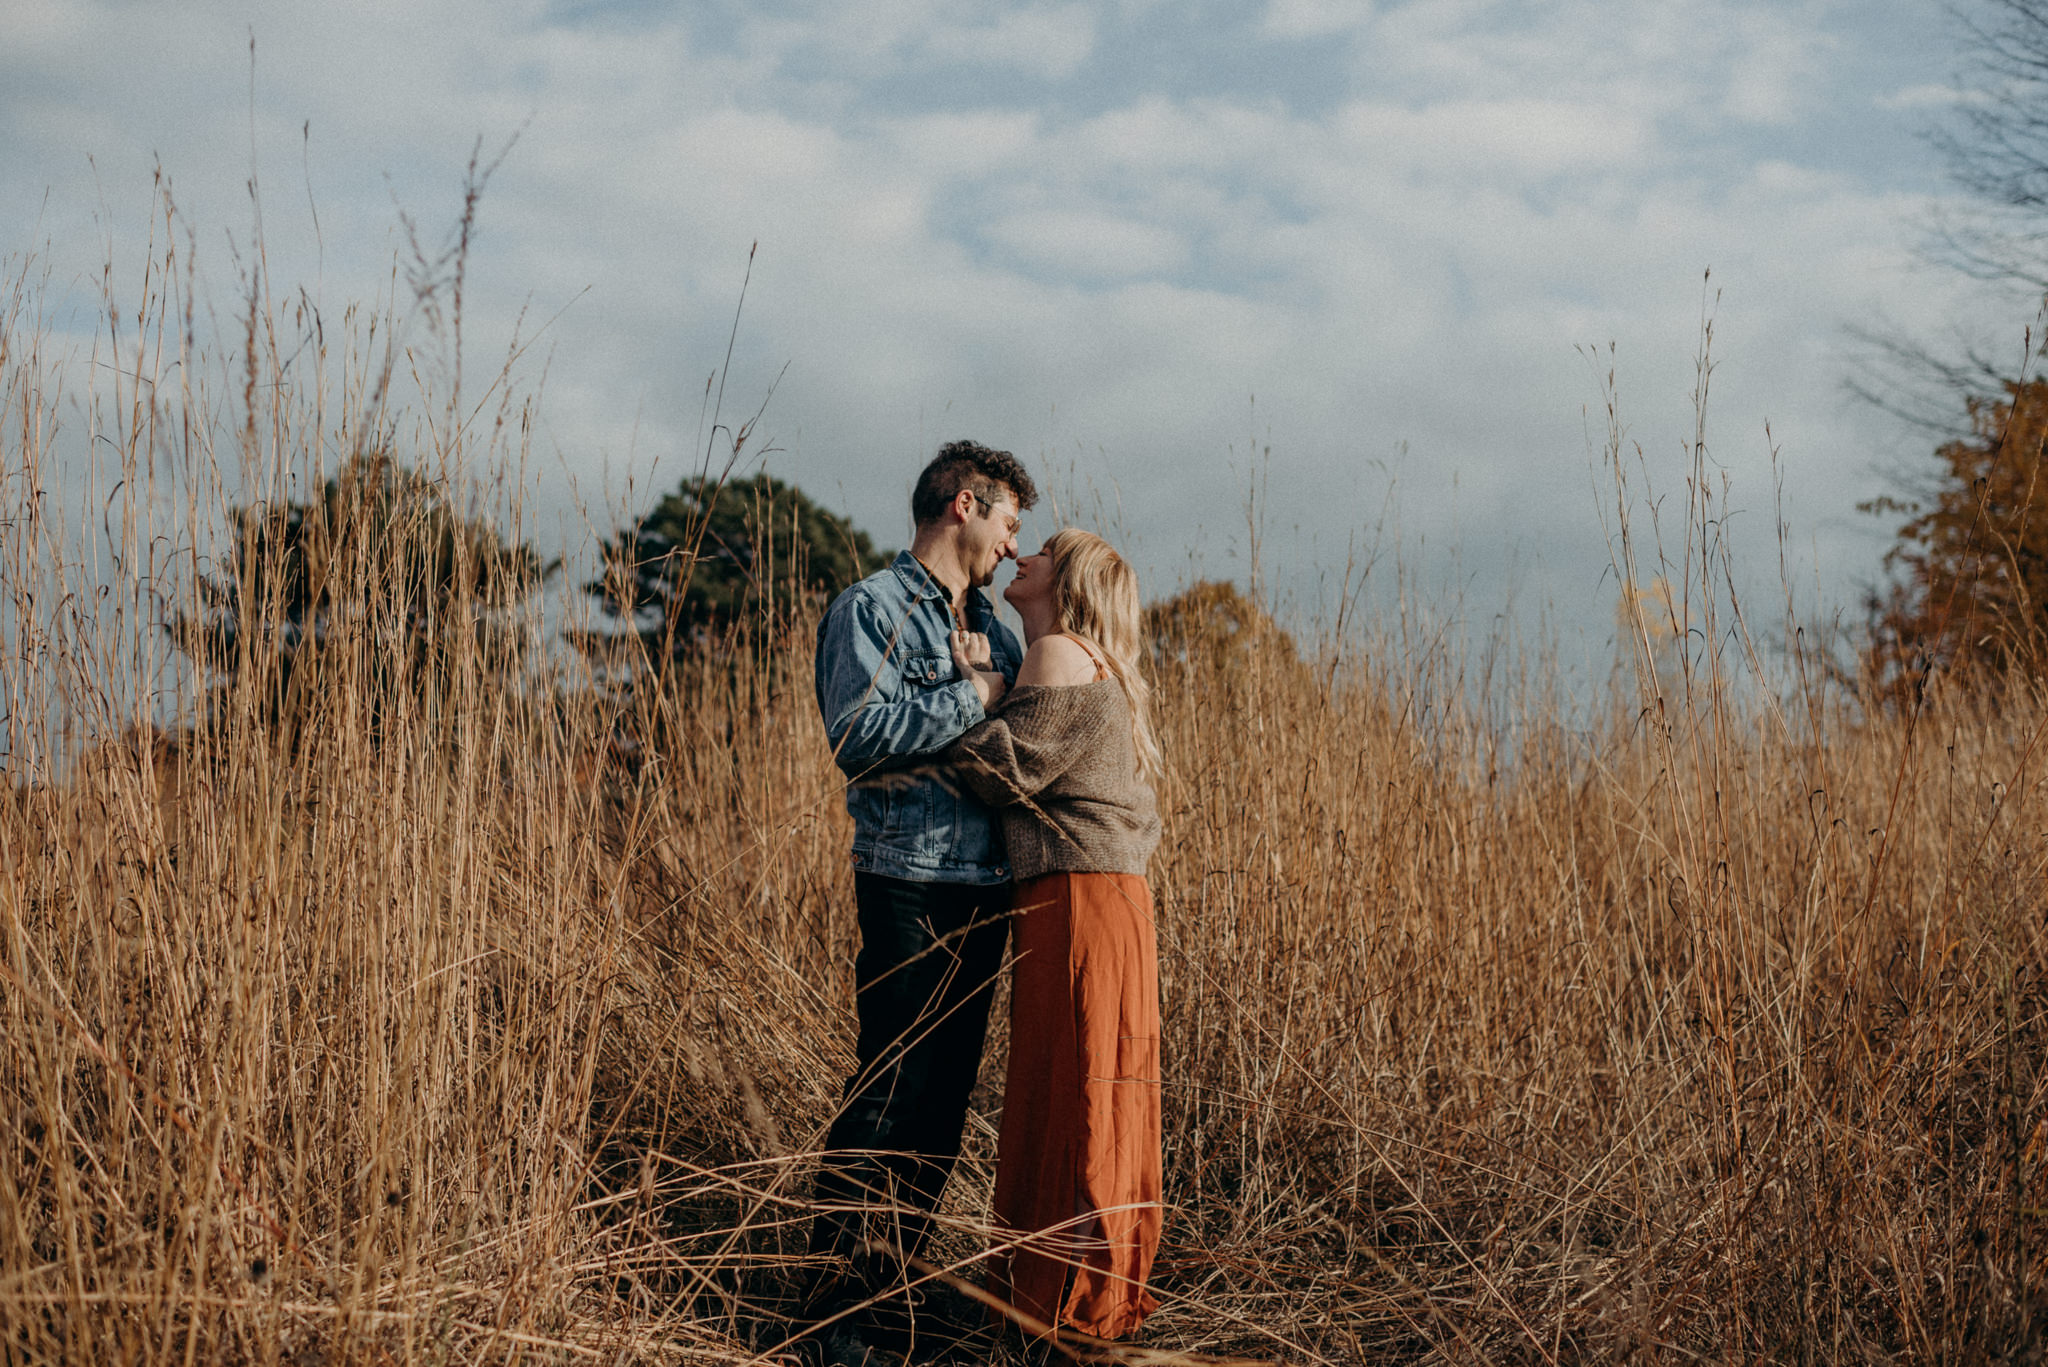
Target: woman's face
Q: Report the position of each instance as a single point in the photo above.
(1032, 583)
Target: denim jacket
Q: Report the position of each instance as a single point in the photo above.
(891, 699)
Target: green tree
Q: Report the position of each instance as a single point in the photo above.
(1969, 586)
(379, 566)
(717, 553)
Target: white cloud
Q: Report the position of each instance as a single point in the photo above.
(1924, 96)
(841, 43)
(1109, 271)
(1313, 18)
(976, 143)
(36, 27)
(1154, 134)
(1774, 66)
(1050, 41)
(1524, 139)
(1090, 245)
(1713, 61)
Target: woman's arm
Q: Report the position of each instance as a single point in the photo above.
(1017, 753)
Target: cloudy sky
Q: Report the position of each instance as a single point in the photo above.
(1132, 240)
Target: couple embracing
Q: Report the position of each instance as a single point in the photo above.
(997, 791)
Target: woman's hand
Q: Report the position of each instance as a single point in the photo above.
(974, 660)
(971, 652)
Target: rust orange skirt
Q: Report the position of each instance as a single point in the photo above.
(1078, 1167)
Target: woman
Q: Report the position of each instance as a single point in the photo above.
(1068, 761)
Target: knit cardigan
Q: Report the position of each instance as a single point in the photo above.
(1060, 767)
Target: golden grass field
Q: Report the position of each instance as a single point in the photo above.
(1704, 1022)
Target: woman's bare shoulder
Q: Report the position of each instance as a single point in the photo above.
(1057, 661)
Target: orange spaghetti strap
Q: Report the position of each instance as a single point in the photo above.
(1101, 669)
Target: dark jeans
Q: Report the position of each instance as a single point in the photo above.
(929, 955)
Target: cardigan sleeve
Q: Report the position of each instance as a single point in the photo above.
(1027, 746)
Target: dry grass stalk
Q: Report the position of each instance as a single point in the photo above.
(429, 1030)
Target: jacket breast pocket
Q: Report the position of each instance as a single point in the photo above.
(928, 668)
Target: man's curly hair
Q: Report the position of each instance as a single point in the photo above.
(969, 465)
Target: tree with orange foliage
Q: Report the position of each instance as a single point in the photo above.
(1969, 587)
(1213, 628)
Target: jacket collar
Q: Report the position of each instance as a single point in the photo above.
(921, 586)
(917, 580)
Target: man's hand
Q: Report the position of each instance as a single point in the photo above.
(974, 660)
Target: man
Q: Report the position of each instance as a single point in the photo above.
(930, 881)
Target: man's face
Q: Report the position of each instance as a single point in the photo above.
(991, 537)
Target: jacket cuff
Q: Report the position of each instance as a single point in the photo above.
(972, 713)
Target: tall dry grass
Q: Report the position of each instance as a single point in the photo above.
(492, 1019)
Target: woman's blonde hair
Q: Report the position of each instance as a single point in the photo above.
(1096, 593)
